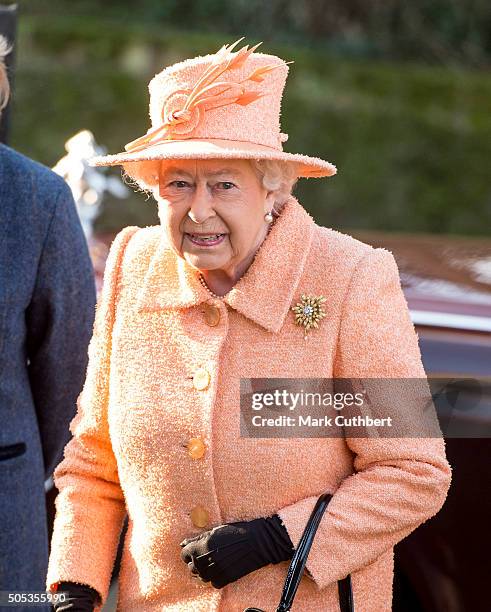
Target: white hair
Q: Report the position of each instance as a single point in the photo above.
(4, 82)
(276, 175)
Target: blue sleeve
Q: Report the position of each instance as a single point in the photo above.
(59, 324)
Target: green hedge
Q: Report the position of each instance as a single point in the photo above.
(411, 143)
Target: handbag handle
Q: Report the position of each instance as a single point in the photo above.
(297, 565)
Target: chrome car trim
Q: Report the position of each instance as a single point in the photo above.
(455, 321)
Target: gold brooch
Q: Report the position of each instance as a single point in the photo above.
(308, 312)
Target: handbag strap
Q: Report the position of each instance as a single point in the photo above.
(299, 560)
(346, 603)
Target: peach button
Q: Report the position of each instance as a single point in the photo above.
(196, 448)
(199, 516)
(201, 379)
(212, 314)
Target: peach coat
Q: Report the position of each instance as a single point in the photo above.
(165, 362)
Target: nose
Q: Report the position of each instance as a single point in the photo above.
(201, 207)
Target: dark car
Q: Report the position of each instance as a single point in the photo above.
(443, 565)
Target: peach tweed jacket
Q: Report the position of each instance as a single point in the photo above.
(140, 406)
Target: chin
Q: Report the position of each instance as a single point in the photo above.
(203, 262)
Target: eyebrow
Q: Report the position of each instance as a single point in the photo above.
(174, 170)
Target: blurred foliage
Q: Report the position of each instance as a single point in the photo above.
(411, 141)
(432, 30)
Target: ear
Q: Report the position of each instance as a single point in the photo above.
(269, 201)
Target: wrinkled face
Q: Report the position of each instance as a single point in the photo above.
(213, 211)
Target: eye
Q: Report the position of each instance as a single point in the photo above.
(178, 183)
(227, 183)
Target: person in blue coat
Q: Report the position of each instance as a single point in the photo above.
(47, 309)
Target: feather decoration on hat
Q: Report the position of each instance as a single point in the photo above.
(209, 93)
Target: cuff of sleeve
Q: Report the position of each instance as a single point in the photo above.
(295, 518)
(85, 554)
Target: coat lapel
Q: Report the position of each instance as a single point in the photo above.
(266, 291)
(170, 282)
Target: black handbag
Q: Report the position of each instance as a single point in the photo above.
(299, 560)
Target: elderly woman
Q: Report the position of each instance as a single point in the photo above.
(237, 282)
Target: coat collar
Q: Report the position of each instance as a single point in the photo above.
(266, 291)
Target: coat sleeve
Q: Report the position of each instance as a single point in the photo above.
(59, 321)
(397, 483)
(90, 507)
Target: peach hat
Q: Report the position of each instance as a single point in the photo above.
(224, 106)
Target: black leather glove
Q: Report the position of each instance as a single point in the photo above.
(230, 551)
(81, 598)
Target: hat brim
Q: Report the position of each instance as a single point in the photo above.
(136, 163)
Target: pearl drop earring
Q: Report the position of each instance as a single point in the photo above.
(268, 217)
